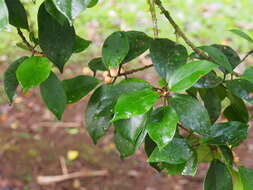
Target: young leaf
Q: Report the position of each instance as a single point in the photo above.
(230, 133)
(218, 57)
(167, 56)
(115, 49)
(218, 177)
(129, 134)
(241, 88)
(248, 74)
(246, 177)
(187, 75)
(162, 125)
(177, 151)
(210, 80)
(56, 40)
(92, 3)
(81, 44)
(10, 79)
(191, 165)
(172, 169)
(139, 42)
(136, 103)
(33, 71)
(4, 16)
(78, 87)
(204, 153)
(17, 14)
(192, 114)
(53, 95)
(97, 64)
(242, 34)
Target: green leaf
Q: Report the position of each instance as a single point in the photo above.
(92, 3)
(210, 80)
(231, 55)
(191, 166)
(204, 153)
(237, 111)
(192, 114)
(10, 79)
(4, 16)
(167, 56)
(57, 41)
(81, 44)
(232, 133)
(173, 169)
(135, 103)
(162, 126)
(246, 177)
(99, 110)
(17, 14)
(242, 34)
(129, 134)
(53, 11)
(227, 155)
(187, 75)
(218, 177)
(237, 181)
(53, 95)
(212, 103)
(115, 49)
(97, 64)
(248, 74)
(33, 71)
(241, 88)
(78, 87)
(218, 56)
(177, 151)
(71, 9)
(139, 42)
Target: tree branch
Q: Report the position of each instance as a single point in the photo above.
(135, 70)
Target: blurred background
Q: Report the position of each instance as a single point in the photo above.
(33, 143)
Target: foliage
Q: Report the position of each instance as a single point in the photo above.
(179, 133)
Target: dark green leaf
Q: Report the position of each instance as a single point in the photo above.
(53, 11)
(162, 125)
(129, 134)
(4, 16)
(53, 95)
(17, 14)
(56, 40)
(139, 42)
(187, 75)
(177, 151)
(115, 49)
(81, 44)
(10, 79)
(246, 176)
(248, 74)
(242, 34)
(192, 114)
(241, 88)
(167, 56)
(210, 80)
(92, 3)
(232, 133)
(191, 166)
(227, 155)
(78, 87)
(33, 71)
(218, 177)
(135, 103)
(97, 64)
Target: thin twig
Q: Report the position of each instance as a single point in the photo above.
(247, 55)
(154, 18)
(135, 70)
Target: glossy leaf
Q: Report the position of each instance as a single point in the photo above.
(162, 125)
(192, 114)
(136, 103)
(115, 49)
(4, 15)
(33, 71)
(246, 177)
(56, 41)
(227, 155)
(10, 79)
(242, 35)
(139, 42)
(218, 177)
(241, 88)
(173, 169)
(248, 74)
(191, 166)
(17, 14)
(78, 87)
(53, 11)
(167, 56)
(81, 44)
(187, 75)
(97, 64)
(232, 133)
(53, 95)
(177, 151)
(210, 80)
